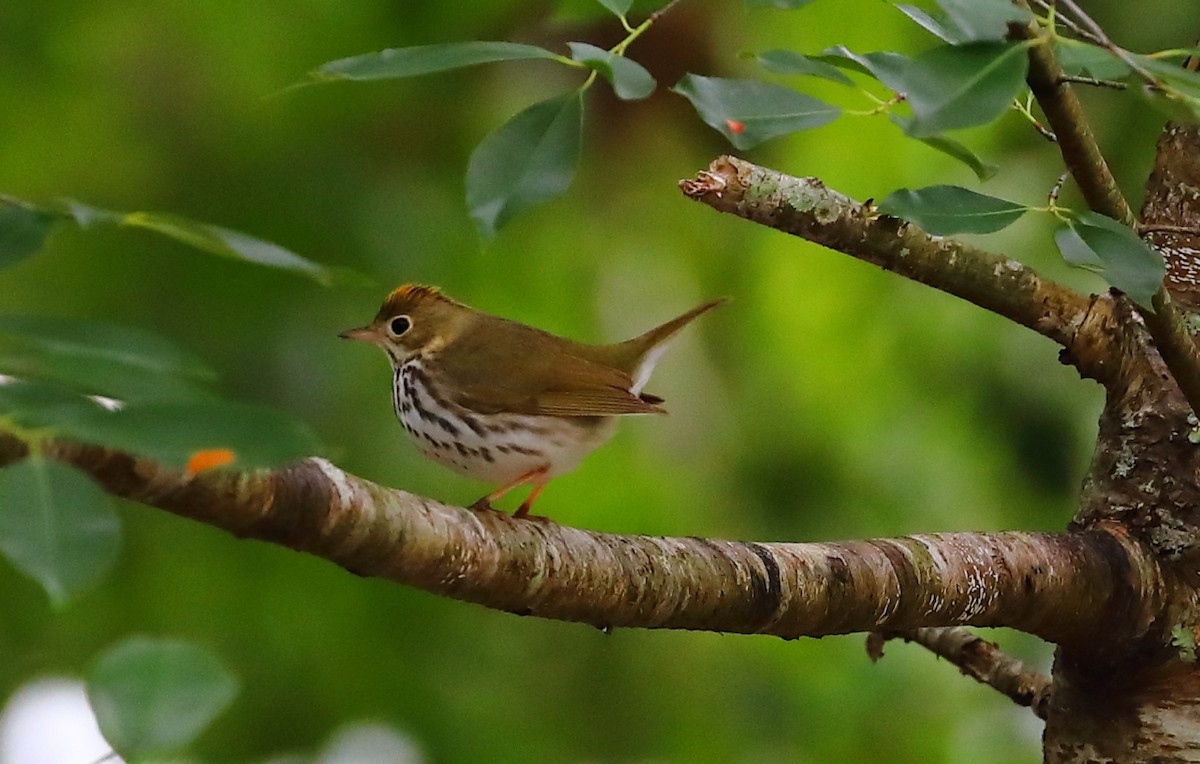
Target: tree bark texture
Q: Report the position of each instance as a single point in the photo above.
(1117, 593)
(1143, 477)
(1026, 580)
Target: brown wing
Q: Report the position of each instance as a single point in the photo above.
(512, 368)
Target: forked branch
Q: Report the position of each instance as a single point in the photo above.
(1091, 173)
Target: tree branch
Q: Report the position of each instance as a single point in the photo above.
(1061, 587)
(979, 659)
(1075, 140)
(1090, 171)
(805, 207)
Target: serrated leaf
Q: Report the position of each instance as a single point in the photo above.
(1080, 59)
(885, 66)
(982, 20)
(951, 148)
(154, 696)
(426, 59)
(945, 210)
(98, 358)
(630, 81)
(791, 62)
(526, 161)
(786, 5)
(748, 112)
(57, 526)
(953, 87)
(171, 432)
(619, 8)
(1099, 243)
(23, 229)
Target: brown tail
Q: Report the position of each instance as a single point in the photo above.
(642, 352)
(660, 334)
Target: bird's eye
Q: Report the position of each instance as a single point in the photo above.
(399, 325)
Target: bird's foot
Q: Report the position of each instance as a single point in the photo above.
(522, 513)
(483, 505)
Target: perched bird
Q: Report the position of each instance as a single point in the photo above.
(503, 402)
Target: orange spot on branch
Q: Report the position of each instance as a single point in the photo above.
(209, 458)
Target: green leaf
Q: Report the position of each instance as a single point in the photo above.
(57, 526)
(953, 87)
(526, 161)
(172, 432)
(1178, 94)
(154, 696)
(630, 81)
(38, 404)
(619, 8)
(205, 237)
(786, 5)
(791, 62)
(98, 358)
(86, 216)
(951, 148)
(23, 229)
(748, 112)
(945, 210)
(1093, 241)
(426, 59)
(226, 243)
(982, 20)
(1080, 59)
(887, 67)
(930, 24)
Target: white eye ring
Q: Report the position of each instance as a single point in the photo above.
(399, 325)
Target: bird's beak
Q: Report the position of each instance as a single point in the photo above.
(364, 333)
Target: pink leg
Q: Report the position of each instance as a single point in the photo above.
(523, 510)
(533, 476)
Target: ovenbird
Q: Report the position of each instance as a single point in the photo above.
(503, 402)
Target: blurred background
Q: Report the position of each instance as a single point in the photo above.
(828, 400)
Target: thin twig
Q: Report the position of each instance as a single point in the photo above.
(1144, 228)
(979, 659)
(1066, 21)
(1025, 110)
(1075, 140)
(1103, 41)
(1081, 80)
(663, 10)
(1052, 198)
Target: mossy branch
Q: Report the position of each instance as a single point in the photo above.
(807, 208)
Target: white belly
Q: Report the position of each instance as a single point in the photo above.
(499, 448)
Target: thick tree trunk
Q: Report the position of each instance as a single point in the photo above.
(1140, 701)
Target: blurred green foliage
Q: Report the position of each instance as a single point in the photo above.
(829, 400)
